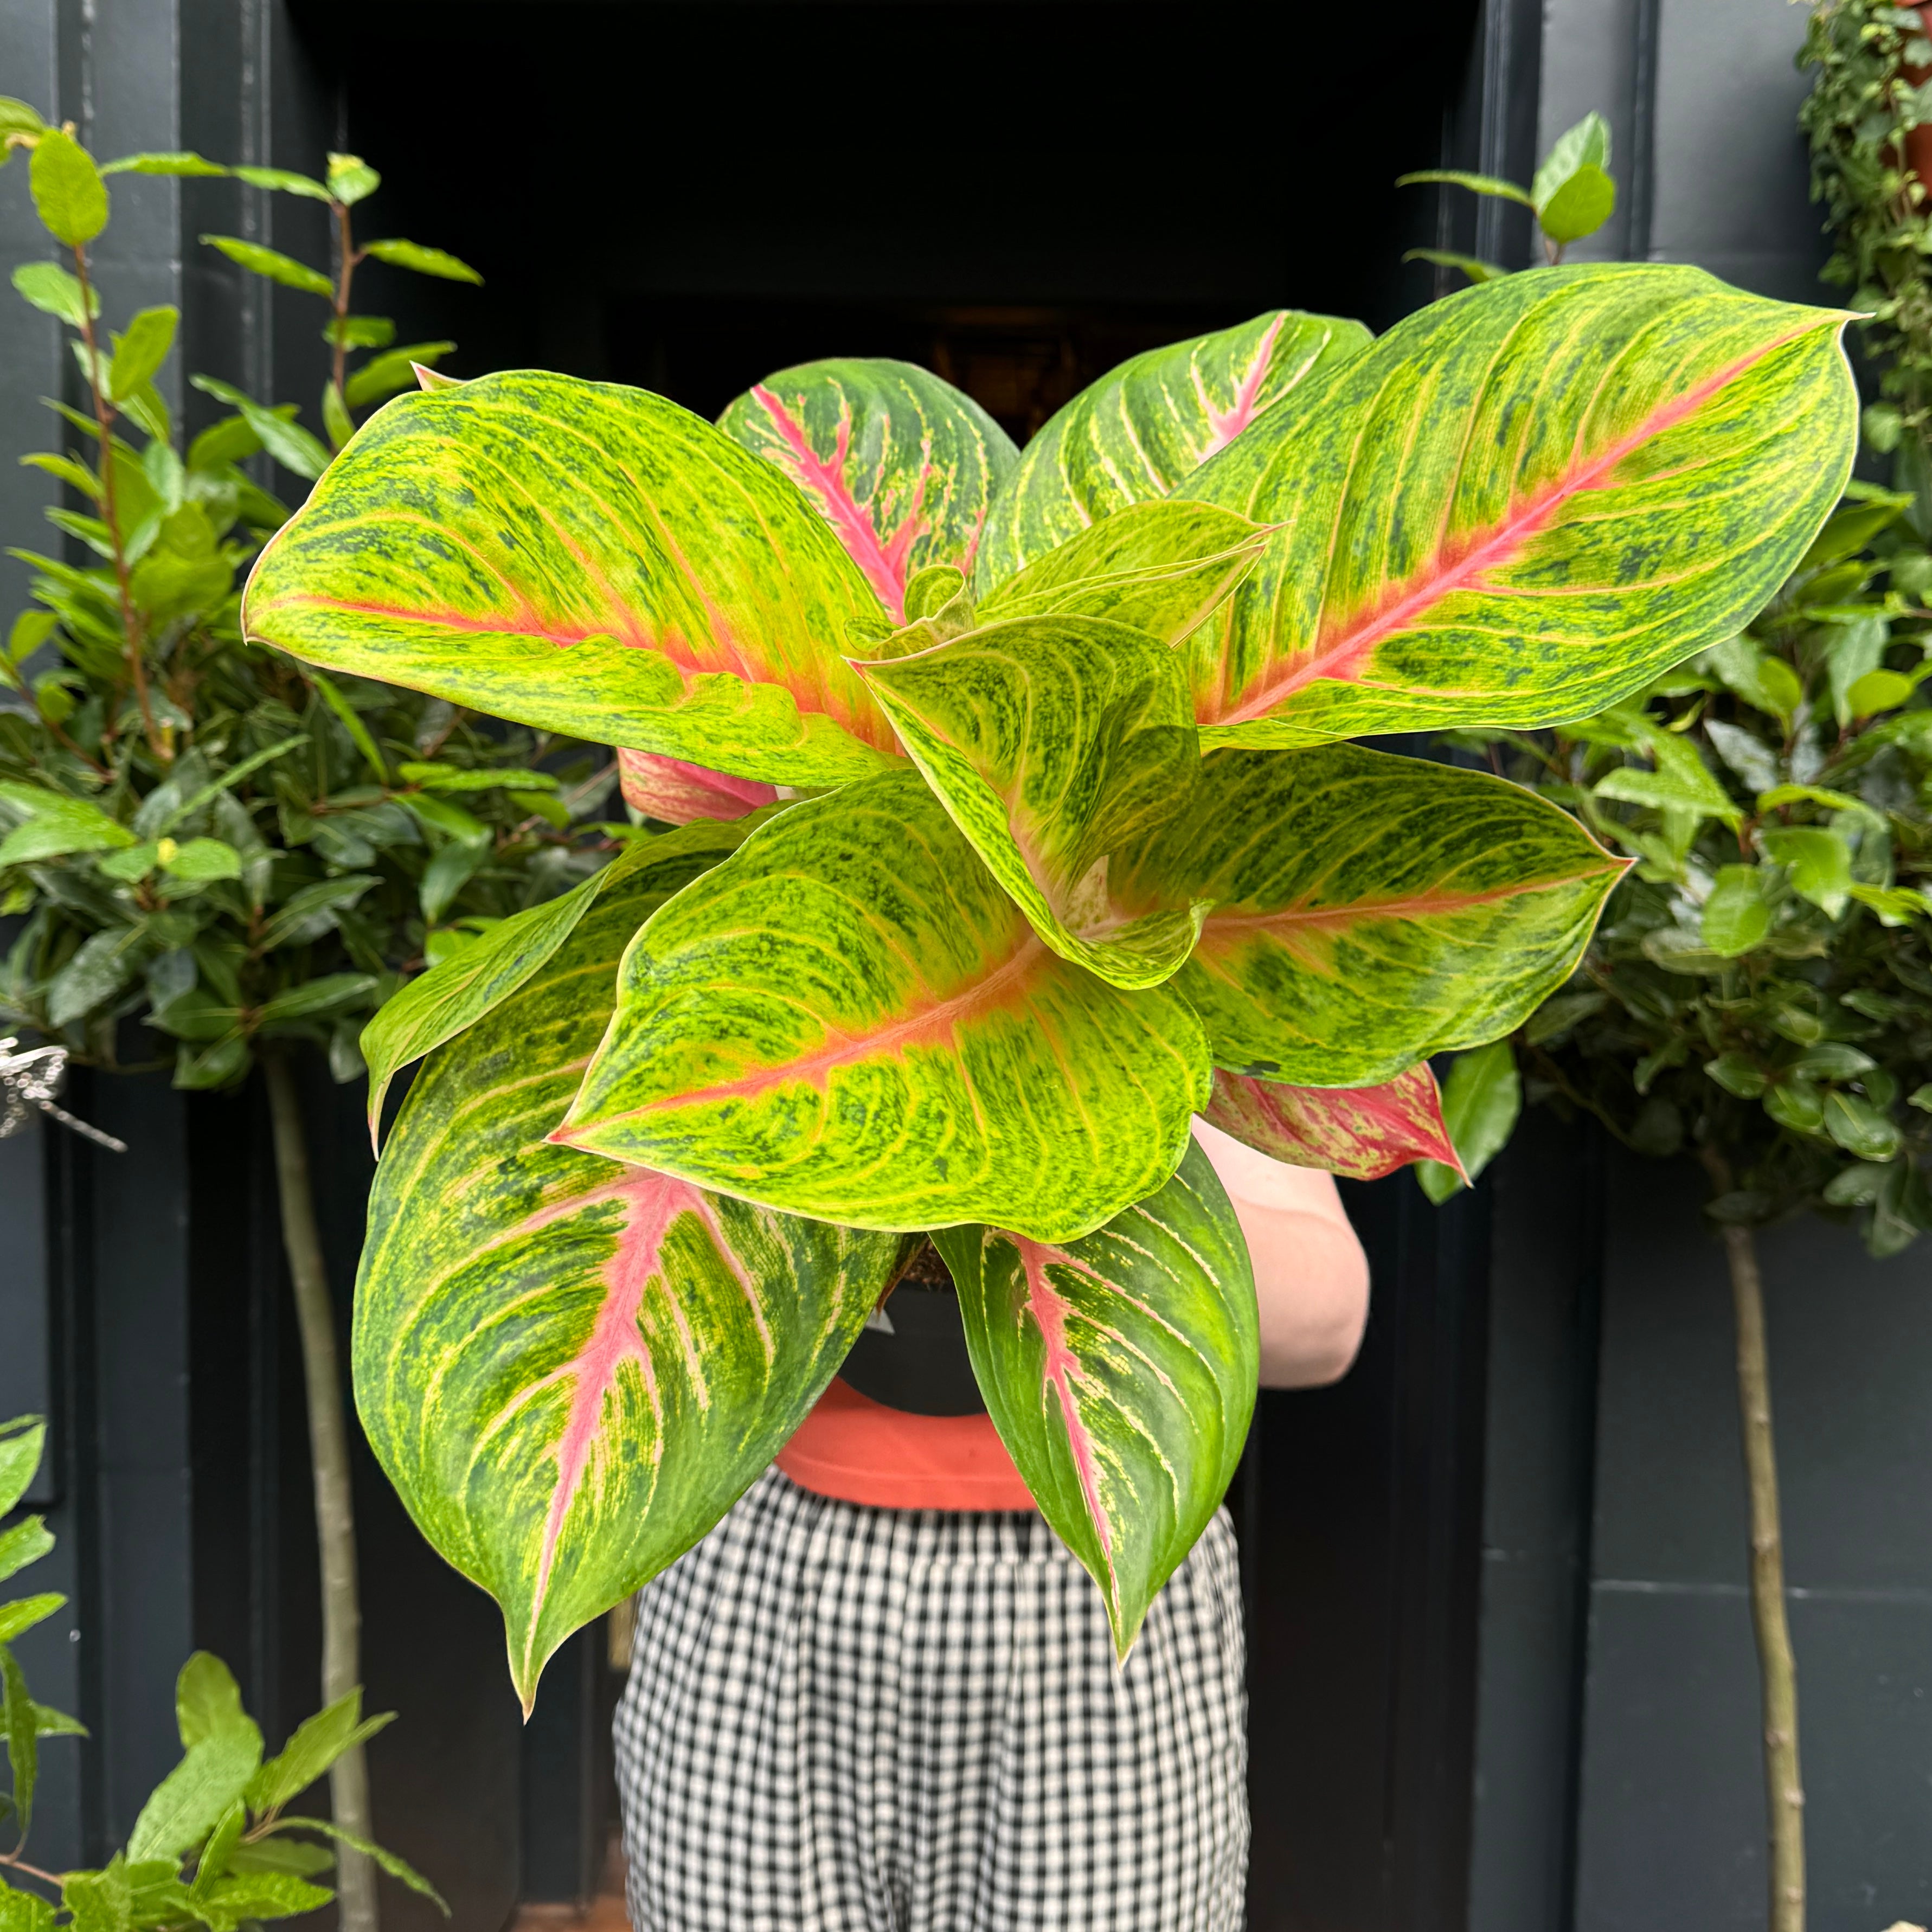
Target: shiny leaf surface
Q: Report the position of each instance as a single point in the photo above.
(850, 1018)
(590, 558)
(1119, 1371)
(1522, 504)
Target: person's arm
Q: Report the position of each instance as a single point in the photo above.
(1311, 1277)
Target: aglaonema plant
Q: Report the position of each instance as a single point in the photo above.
(1048, 839)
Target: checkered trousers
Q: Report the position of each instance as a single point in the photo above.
(842, 1719)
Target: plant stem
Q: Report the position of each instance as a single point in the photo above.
(1777, 1666)
(329, 1451)
(104, 418)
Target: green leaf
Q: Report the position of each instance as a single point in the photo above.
(1587, 145)
(1480, 1101)
(452, 998)
(425, 261)
(242, 768)
(231, 1903)
(1797, 1104)
(1737, 1075)
(272, 263)
(24, 1911)
(1878, 690)
(352, 723)
(1761, 680)
(202, 859)
(288, 442)
(68, 191)
(21, 1441)
(57, 823)
(208, 1703)
(1490, 185)
(175, 161)
(1474, 266)
(1369, 911)
(20, 1716)
(1363, 1132)
(24, 1612)
(328, 994)
(587, 558)
(1163, 568)
(1579, 207)
(396, 1867)
(901, 464)
(569, 1369)
(281, 181)
(189, 1802)
(220, 1845)
(1735, 917)
(383, 375)
(359, 332)
(335, 418)
(351, 179)
(314, 1745)
(310, 911)
(1132, 437)
(1819, 862)
(1536, 573)
(53, 1723)
(1860, 1128)
(27, 1542)
(53, 290)
(848, 1017)
(1051, 742)
(1681, 782)
(1119, 1371)
(17, 117)
(141, 350)
(126, 1896)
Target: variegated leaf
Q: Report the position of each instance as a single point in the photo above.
(1050, 740)
(590, 559)
(676, 791)
(1363, 1132)
(1133, 436)
(1119, 1371)
(1369, 909)
(900, 464)
(1164, 567)
(850, 1018)
(1522, 504)
(438, 1005)
(570, 1368)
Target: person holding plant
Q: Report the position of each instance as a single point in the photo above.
(882, 1693)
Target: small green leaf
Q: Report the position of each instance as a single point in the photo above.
(208, 1701)
(282, 180)
(1480, 1101)
(359, 332)
(24, 1612)
(335, 418)
(401, 254)
(177, 161)
(17, 117)
(54, 292)
(141, 350)
(396, 1867)
(189, 1802)
(21, 1721)
(1586, 145)
(445, 875)
(1819, 862)
(1735, 916)
(1474, 266)
(270, 263)
(314, 1745)
(1833, 1060)
(351, 178)
(1880, 690)
(1920, 1097)
(352, 724)
(27, 1542)
(1490, 185)
(1797, 1104)
(329, 993)
(22, 1441)
(1579, 207)
(288, 442)
(1737, 1075)
(1860, 1129)
(1766, 682)
(203, 859)
(384, 375)
(67, 189)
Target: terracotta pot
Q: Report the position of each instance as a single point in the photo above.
(1919, 143)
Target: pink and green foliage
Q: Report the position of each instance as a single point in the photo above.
(1078, 859)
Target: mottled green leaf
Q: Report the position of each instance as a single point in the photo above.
(850, 1018)
(1363, 1132)
(1369, 911)
(571, 1369)
(1133, 436)
(1522, 504)
(1119, 1371)
(1051, 741)
(899, 463)
(189, 1801)
(1162, 567)
(587, 558)
(443, 1002)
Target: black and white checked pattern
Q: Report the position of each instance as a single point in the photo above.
(842, 1719)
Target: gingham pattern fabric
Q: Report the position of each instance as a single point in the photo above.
(842, 1719)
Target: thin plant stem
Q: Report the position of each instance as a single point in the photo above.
(104, 418)
(329, 1451)
(1778, 1665)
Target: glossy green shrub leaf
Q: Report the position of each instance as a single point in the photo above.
(1163, 568)
(1369, 911)
(899, 463)
(1480, 1101)
(590, 559)
(850, 1018)
(1051, 741)
(1363, 1132)
(443, 1002)
(1132, 437)
(1599, 471)
(568, 1368)
(1119, 1371)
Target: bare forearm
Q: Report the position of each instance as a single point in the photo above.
(1314, 1310)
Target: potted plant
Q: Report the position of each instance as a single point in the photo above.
(1066, 844)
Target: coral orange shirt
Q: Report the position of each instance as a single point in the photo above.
(860, 1451)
